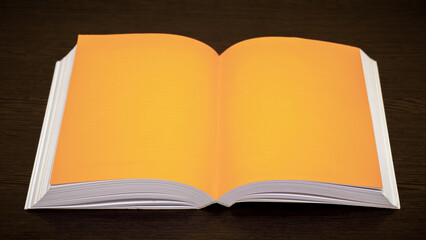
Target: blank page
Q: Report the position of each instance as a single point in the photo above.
(294, 109)
(139, 106)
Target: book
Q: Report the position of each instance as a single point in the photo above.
(162, 121)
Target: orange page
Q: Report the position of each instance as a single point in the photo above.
(294, 109)
(162, 106)
(140, 106)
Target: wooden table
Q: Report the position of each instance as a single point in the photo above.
(34, 35)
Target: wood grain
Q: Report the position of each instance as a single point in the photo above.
(35, 34)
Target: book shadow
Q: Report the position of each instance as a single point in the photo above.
(240, 220)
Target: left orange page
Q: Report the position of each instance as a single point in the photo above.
(139, 106)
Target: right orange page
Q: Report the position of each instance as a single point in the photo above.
(294, 109)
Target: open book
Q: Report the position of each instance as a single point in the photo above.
(161, 121)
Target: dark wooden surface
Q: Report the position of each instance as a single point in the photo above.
(33, 35)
